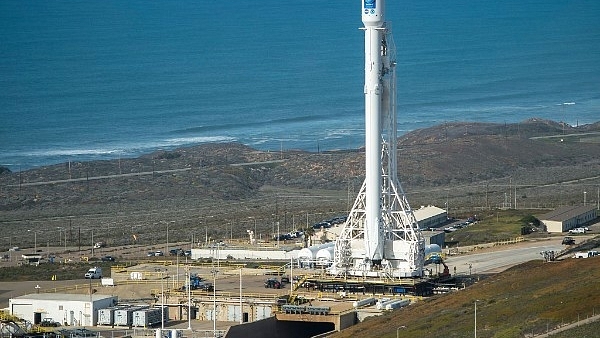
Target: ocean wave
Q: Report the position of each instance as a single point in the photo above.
(246, 124)
(127, 149)
(73, 152)
(199, 139)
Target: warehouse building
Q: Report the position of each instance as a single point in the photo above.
(430, 216)
(427, 217)
(66, 309)
(568, 217)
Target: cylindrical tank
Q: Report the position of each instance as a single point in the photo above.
(307, 256)
(324, 257)
(383, 302)
(396, 304)
(432, 248)
(364, 302)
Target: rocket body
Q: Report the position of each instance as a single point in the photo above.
(373, 19)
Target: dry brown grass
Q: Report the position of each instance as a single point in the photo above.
(527, 298)
(472, 167)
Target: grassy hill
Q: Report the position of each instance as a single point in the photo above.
(529, 298)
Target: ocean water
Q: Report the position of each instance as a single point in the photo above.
(85, 80)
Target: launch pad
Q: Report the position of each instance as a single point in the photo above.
(418, 287)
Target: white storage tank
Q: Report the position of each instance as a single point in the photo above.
(364, 302)
(307, 256)
(432, 248)
(396, 304)
(381, 304)
(325, 257)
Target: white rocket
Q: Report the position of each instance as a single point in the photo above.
(381, 237)
(373, 19)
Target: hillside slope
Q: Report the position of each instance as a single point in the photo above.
(531, 297)
(464, 165)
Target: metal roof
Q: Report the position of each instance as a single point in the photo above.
(64, 297)
(428, 212)
(567, 212)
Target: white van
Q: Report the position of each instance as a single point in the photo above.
(94, 273)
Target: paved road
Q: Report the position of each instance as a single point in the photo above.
(501, 258)
(94, 178)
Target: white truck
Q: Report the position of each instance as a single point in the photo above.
(586, 254)
(99, 245)
(94, 273)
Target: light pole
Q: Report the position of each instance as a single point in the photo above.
(564, 115)
(34, 240)
(214, 302)
(189, 294)
(162, 305)
(214, 272)
(398, 330)
(241, 304)
(476, 318)
(93, 245)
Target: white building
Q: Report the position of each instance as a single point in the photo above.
(568, 217)
(237, 253)
(67, 309)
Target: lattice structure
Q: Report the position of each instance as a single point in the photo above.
(387, 244)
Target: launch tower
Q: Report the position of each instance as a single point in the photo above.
(381, 237)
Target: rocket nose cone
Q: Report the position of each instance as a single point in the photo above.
(372, 12)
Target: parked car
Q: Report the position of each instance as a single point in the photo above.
(577, 231)
(272, 283)
(99, 245)
(176, 252)
(108, 259)
(49, 322)
(158, 253)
